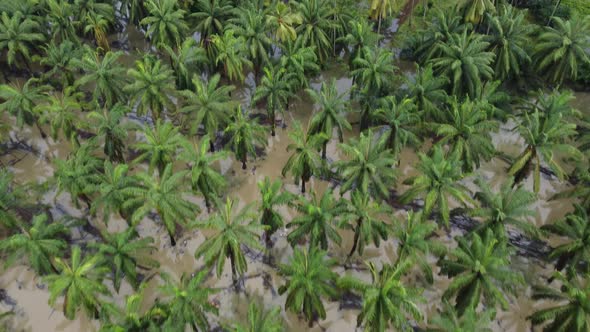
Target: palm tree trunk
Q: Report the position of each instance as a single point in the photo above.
(272, 125)
(172, 241)
(357, 234)
(557, 4)
(324, 148)
(302, 185)
(244, 160)
(211, 145)
(379, 30)
(233, 268)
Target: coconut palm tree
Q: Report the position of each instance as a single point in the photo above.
(164, 195)
(114, 133)
(363, 216)
(509, 37)
(544, 135)
(437, 183)
(470, 321)
(511, 205)
(380, 10)
(188, 302)
(466, 129)
(186, 61)
(368, 168)
(360, 35)
(58, 60)
(427, 92)
(415, 242)
(401, 121)
(284, 21)
(39, 242)
(211, 17)
(250, 25)
(59, 112)
(465, 61)
(476, 10)
(561, 49)
(161, 147)
(20, 100)
(245, 136)
(574, 254)
(80, 282)
(308, 279)
(387, 302)
(275, 89)
(110, 191)
(317, 220)
(105, 74)
(305, 160)
(165, 22)
(316, 26)
(18, 36)
(231, 229)
(272, 196)
(152, 87)
(260, 320)
(480, 269)
(330, 116)
(204, 177)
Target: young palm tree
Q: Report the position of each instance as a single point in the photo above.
(152, 87)
(58, 60)
(316, 26)
(508, 206)
(284, 21)
(387, 302)
(545, 135)
(210, 105)
(245, 136)
(317, 220)
(40, 242)
(363, 216)
(260, 320)
(125, 252)
(275, 88)
(232, 229)
(161, 147)
(272, 196)
(561, 49)
(165, 22)
(18, 36)
(20, 100)
(59, 112)
(211, 17)
(108, 125)
(437, 183)
(204, 177)
(368, 168)
(575, 253)
(309, 277)
(480, 269)
(427, 91)
(164, 195)
(401, 121)
(188, 302)
(186, 61)
(110, 190)
(105, 74)
(415, 242)
(466, 129)
(470, 321)
(332, 106)
(305, 160)
(464, 59)
(80, 282)
(231, 51)
(250, 25)
(476, 10)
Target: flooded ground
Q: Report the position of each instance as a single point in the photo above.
(28, 296)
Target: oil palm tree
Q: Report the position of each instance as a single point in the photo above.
(11, 198)
(133, 318)
(444, 24)
(299, 60)
(188, 302)
(80, 282)
(250, 25)
(476, 10)
(98, 26)
(373, 70)
(368, 168)
(231, 229)
(164, 195)
(330, 115)
(275, 88)
(205, 179)
(211, 17)
(575, 252)
(89, 7)
(105, 73)
(152, 87)
(363, 216)
(360, 35)
(61, 15)
(305, 160)
(260, 320)
(20, 101)
(467, 130)
(316, 26)
(39, 242)
(231, 51)
(480, 271)
(125, 252)
(380, 10)
(59, 112)
(308, 279)
(511, 205)
(134, 10)
(415, 242)
(427, 91)
(108, 125)
(401, 123)
(464, 59)
(272, 197)
(544, 135)
(561, 49)
(18, 36)
(186, 61)
(470, 321)
(165, 22)
(284, 21)
(437, 182)
(245, 136)
(317, 221)
(161, 147)
(387, 301)
(58, 60)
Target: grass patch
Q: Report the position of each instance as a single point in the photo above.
(579, 6)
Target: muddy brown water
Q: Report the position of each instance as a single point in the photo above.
(28, 295)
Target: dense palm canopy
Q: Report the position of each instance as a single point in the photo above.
(250, 25)
(316, 26)
(19, 100)
(476, 10)
(186, 60)
(284, 20)
(18, 36)
(211, 16)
